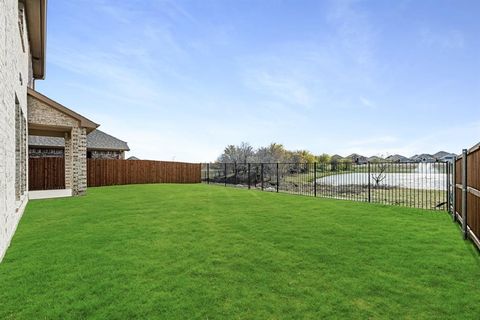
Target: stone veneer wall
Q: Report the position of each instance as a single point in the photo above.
(37, 152)
(40, 113)
(15, 69)
(107, 154)
(34, 152)
(68, 162)
(75, 142)
(79, 160)
(76, 161)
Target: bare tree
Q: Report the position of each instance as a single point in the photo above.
(237, 154)
(379, 176)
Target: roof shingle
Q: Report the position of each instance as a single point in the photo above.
(96, 139)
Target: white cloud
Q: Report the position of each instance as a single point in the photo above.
(287, 88)
(353, 29)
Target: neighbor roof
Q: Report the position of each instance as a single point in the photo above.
(355, 155)
(36, 17)
(96, 140)
(441, 154)
(422, 156)
(396, 157)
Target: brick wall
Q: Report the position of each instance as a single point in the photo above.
(106, 154)
(45, 152)
(14, 77)
(79, 160)
(40, 113)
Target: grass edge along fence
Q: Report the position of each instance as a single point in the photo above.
(107, 172)
(465, 200)
(410, 184)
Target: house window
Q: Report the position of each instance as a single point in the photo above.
(20, 151)
(21, 15)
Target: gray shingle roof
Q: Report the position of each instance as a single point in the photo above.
(396, 157)
(96, 139)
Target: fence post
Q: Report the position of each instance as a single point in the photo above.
(278, 179)
(208, 173)
(261, 174)
(225, 173)
(314, 179)
(248, 172)
(454, 191)
(369, 184)
(447, 169)
(464, 194)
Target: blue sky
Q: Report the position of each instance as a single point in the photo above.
(182, 79)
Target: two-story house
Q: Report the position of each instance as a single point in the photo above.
(22, 61)
(25, 112)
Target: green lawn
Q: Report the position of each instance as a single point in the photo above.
(209, 252)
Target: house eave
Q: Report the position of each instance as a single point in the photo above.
(107, 149)
(84, 122)
(36, 18)
(45, 147)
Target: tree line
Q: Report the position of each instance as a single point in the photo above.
(273, 153)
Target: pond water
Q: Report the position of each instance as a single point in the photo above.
(424, 177)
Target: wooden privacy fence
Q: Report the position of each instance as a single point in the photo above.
(46, 173)
(466, 193)
(116, 172)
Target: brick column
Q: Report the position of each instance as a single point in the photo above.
(76, 161)
(68, 161)
(79, 160)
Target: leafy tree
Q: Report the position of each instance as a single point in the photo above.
(324, 158)
(346, 164)
(274, 153)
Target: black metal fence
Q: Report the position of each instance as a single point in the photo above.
(420, 185)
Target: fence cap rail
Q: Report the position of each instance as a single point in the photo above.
(142, 161)
(469, 151)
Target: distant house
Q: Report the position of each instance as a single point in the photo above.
(356, 158)
(397, 158)
(424, 157)
(440, 154)
(444, 156)
(100, 145)
(448, 157)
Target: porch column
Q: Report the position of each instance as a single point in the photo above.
(68, 161)
(76, 160)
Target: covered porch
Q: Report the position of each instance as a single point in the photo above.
(47, 117)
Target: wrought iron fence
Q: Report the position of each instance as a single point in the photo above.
(412, 184)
